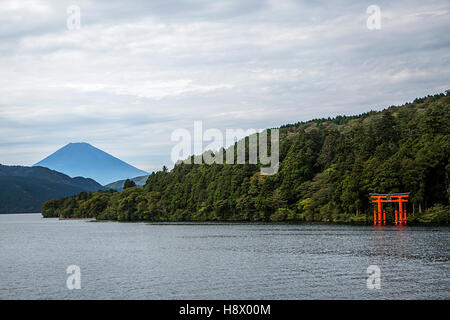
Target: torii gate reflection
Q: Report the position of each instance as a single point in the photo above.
(400, 215)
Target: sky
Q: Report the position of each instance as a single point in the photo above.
(132, 72)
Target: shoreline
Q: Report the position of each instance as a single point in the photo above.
(59, 218)
(355, 223)
(415, 223)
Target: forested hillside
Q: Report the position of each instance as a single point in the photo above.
(328, 168)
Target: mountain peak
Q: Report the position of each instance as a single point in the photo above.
(78, 144)
(85, 160)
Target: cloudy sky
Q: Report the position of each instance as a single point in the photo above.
(137, 70)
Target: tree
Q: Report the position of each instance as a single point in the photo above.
(129, 184)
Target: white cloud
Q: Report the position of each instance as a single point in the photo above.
(134, 73)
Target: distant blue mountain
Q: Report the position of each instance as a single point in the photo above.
(24, 189)
(84, 160)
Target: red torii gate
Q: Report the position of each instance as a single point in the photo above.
(393, 197)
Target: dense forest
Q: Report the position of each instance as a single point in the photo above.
(327, 169)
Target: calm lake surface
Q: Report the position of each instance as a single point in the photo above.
(219, 261)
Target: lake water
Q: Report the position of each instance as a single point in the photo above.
(219, 261)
